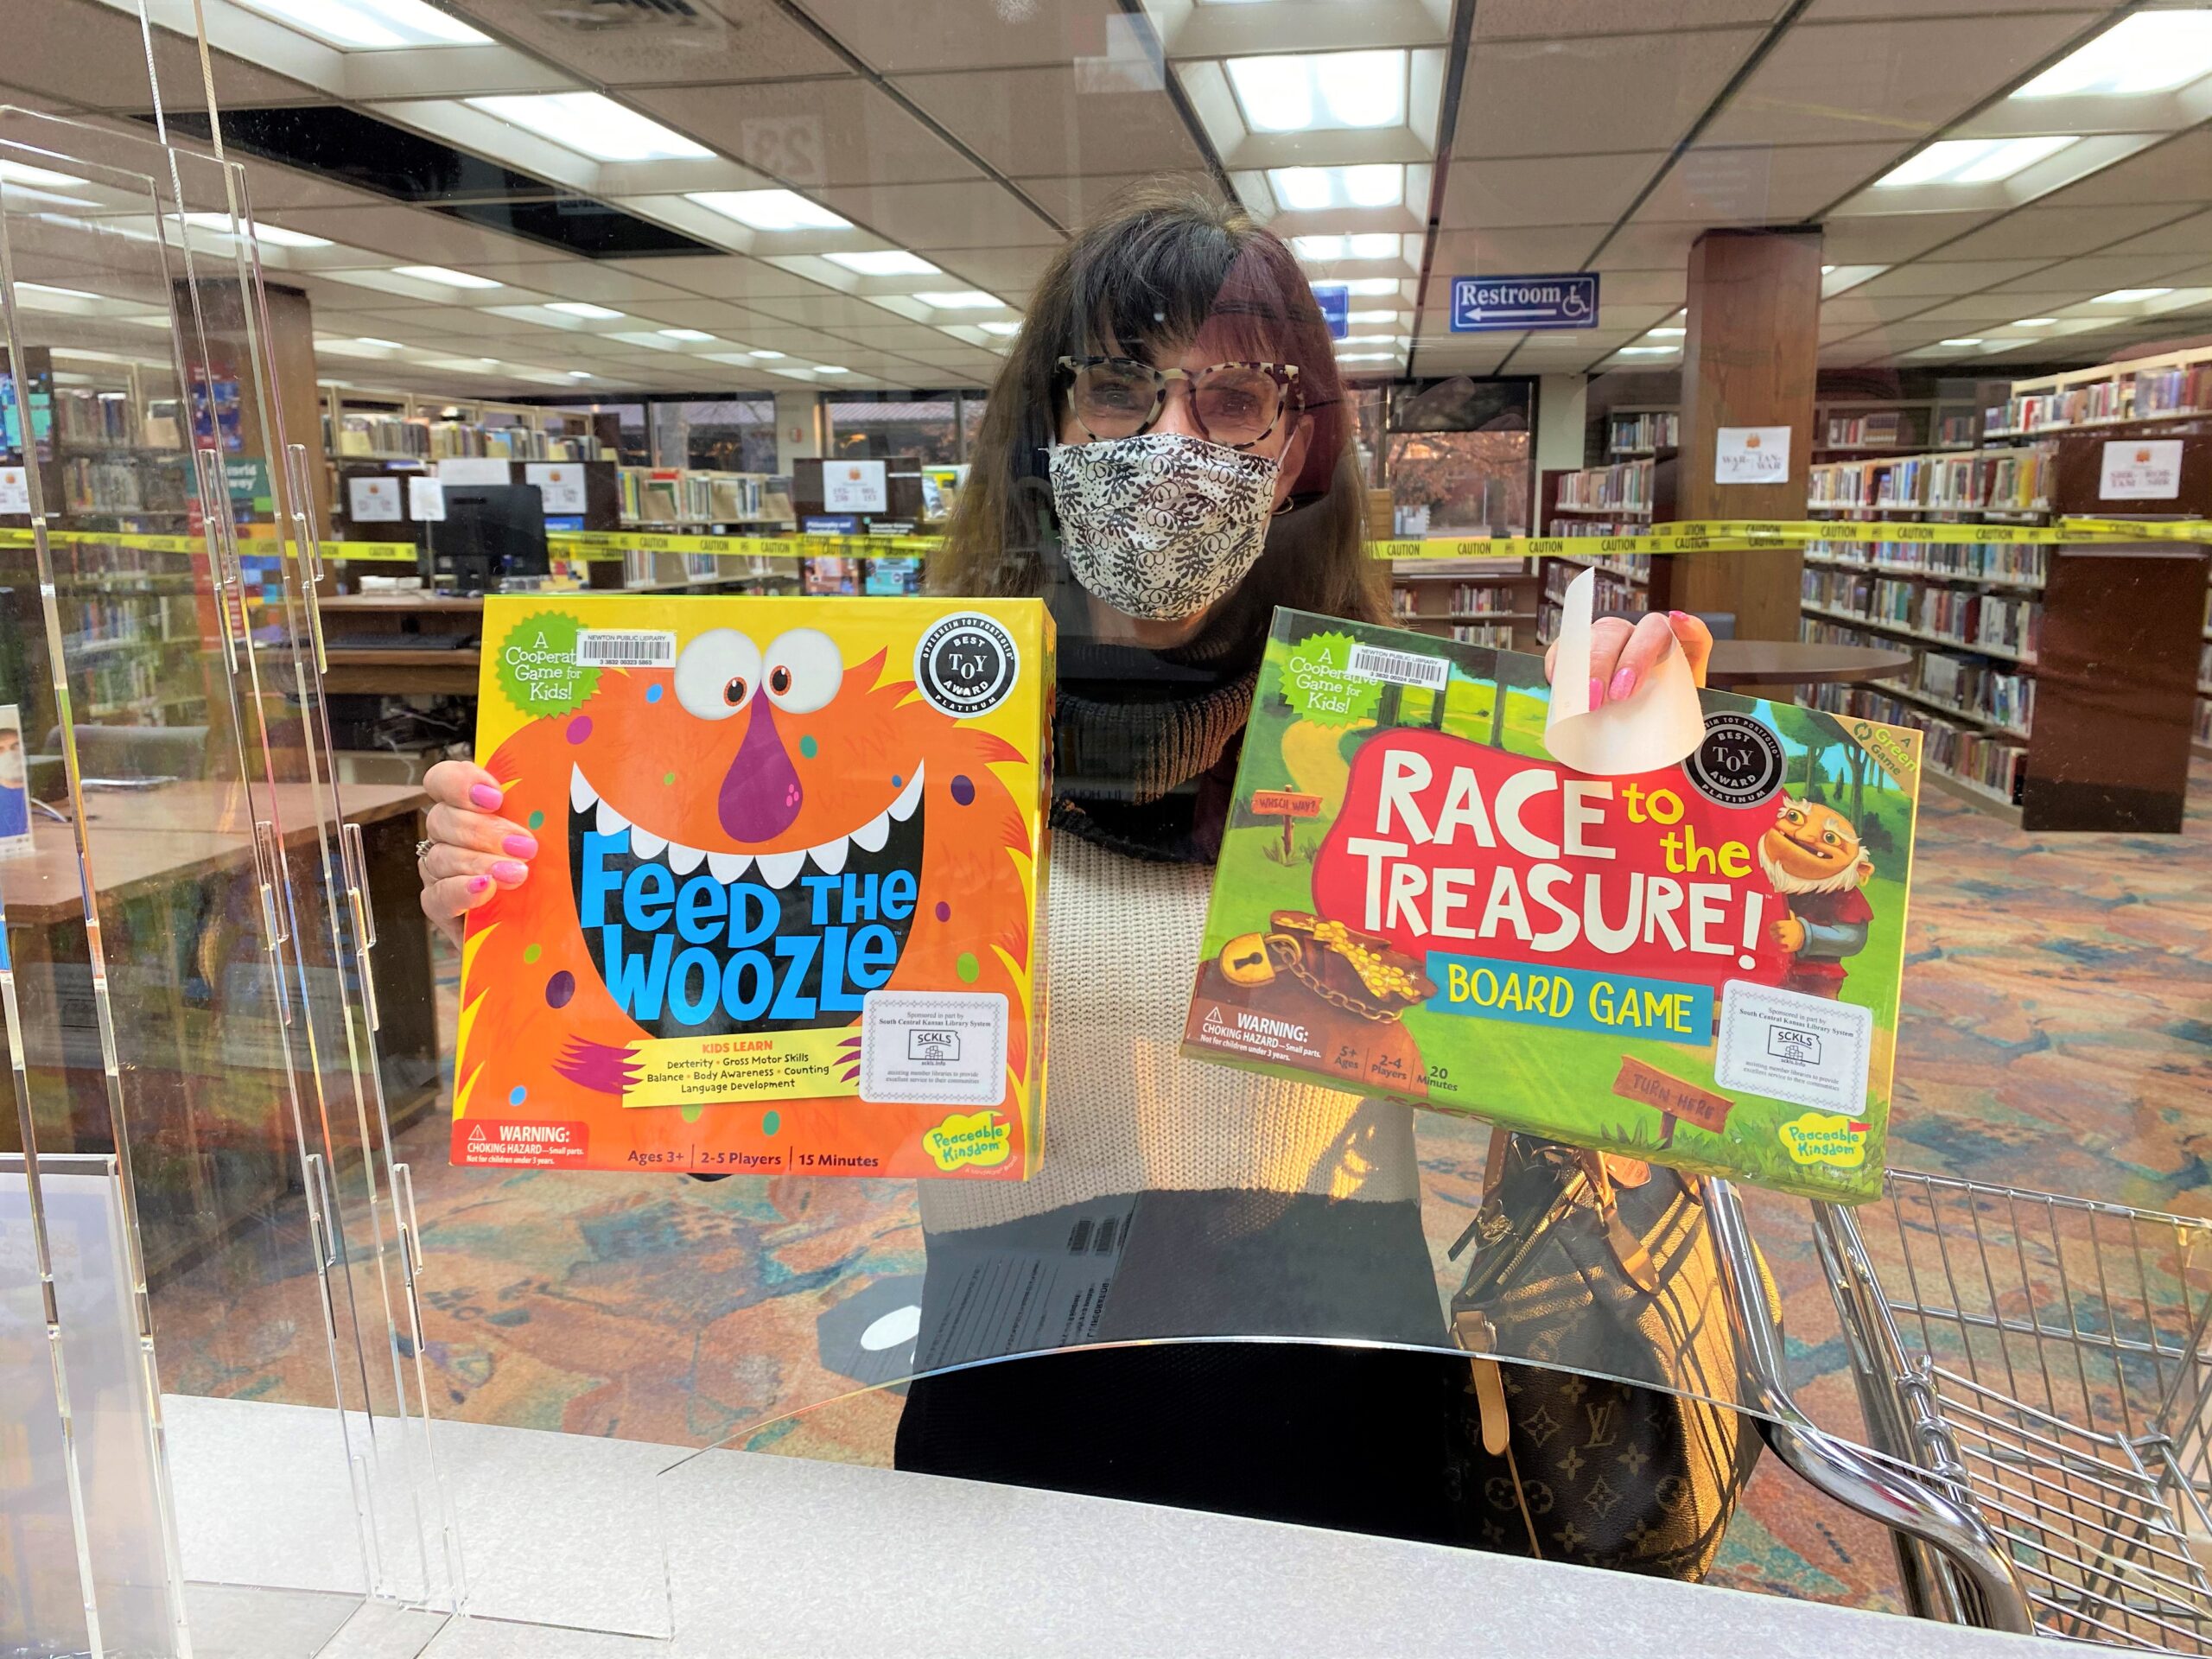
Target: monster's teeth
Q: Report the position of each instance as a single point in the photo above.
(871, 835)
(830, 855)
(580, 790)
(682, 859)
(777, 869)
(644, 843)
(611, 823)
(909, 798)
(727, 866)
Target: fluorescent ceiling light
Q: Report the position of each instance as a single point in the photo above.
(884, 262)
(965, 299)
(1377, 244)
(1367, 288)
(2033, 322)
(592, 124)
(1825, 269)
(1367, 357)
(1314, 189)
(48, 287)
(830, 368)
(684, 333)
(371, 25)
(449, 278)
(1321, 91)
(370, 340)
(582, 308)
(2128, 295)
(1649, 351)
(23, 173)
(1385, 315)
(770, 210)
(2149, 52)
(1001, 328)
(1972, 160)
(579, 374)
(764, 354)
(276, 235)
(1966, 340)
(1667, 333)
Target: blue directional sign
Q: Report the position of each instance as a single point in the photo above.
(1495, 304)
(1336, 308)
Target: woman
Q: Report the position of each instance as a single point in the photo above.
(1165, 460)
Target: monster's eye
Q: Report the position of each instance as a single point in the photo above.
(804, 671)
(716, 672)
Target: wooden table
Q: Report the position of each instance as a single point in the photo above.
(1789, 662)
(202, 1032)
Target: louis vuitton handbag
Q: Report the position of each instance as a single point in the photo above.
(1605, 1266)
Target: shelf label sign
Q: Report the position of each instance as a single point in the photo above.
(1752, 455)
(1483, 305)
(2140, 469)
(372, 500)
(856, 486)
(560, 483)
(1335, 301)
(14, 490)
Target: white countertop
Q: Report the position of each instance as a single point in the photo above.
(631, 1552)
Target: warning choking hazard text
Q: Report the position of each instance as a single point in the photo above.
(520, 1145)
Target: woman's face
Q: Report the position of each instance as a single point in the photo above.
(1285, 446)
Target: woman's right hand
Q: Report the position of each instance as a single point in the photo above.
(474, 852)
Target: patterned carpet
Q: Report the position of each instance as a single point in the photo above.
(2057, 1033)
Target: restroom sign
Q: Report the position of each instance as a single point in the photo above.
(1497, 304)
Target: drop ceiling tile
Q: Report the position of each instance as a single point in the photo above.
(811, 134)
(2102, 273)
(1890, 238)
(1837, 11)
(622, 46)
(2191, 236)
(2054, 231)
(1886, 82)
(1075, 201)
(1665, 289)
(907, 39)
(1532, 250)
(1042, 121)
(1643, 247)
(2177, 173)
(1982, 310)
(1483, 195)
(1010, 273)
(973, 213)
(1525, 19)
(583, 280)
(719, 277)
(821, 309)
(714, 317)
(1763, 184)
(1592, 93)
(1943, 281)
(93, 56)
(409, 235)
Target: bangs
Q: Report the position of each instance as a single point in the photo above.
(1167, 285)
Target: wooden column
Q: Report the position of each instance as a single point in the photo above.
(1749, 359)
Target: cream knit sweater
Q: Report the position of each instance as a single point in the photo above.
(1124, 1112)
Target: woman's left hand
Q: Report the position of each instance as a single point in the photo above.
(1623, 655)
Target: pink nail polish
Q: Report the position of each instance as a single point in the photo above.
(478, 883)
(509, 873)
(519, 846)
(1623, 682)
(1597, 690)
(1680, 616)
(487, 796)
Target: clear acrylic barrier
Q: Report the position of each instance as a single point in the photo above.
(190, 927)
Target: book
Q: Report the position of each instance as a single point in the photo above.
(786, 913)
(1696, 965)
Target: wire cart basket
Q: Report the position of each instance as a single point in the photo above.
(2040, 1364)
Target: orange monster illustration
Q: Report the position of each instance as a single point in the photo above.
(747, 842)
(1815, 859)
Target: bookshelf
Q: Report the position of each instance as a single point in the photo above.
(1636, 430)
(1625, 499)
(1878, 425)
(1471, 602)
(2032, 665)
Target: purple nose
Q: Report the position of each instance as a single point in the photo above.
(760, 795)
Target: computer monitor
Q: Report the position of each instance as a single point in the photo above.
(490, 531)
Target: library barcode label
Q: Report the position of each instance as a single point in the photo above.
(625, 648)
(1399, 667)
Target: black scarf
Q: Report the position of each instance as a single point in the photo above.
(1145, 743)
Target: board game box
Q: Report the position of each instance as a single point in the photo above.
(787, 908)
(1696, 965)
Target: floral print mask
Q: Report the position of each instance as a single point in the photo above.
(1162, 524)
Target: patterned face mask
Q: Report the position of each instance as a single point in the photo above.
(1161, 525)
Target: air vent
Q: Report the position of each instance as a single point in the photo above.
(603, 16)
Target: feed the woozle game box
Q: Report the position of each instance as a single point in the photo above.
(1696, 964)
(785, 916)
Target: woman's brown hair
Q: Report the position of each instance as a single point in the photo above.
(1166, 265)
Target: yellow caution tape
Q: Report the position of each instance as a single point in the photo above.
(1704, 535)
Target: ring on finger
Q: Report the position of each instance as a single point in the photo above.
(422, 849)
